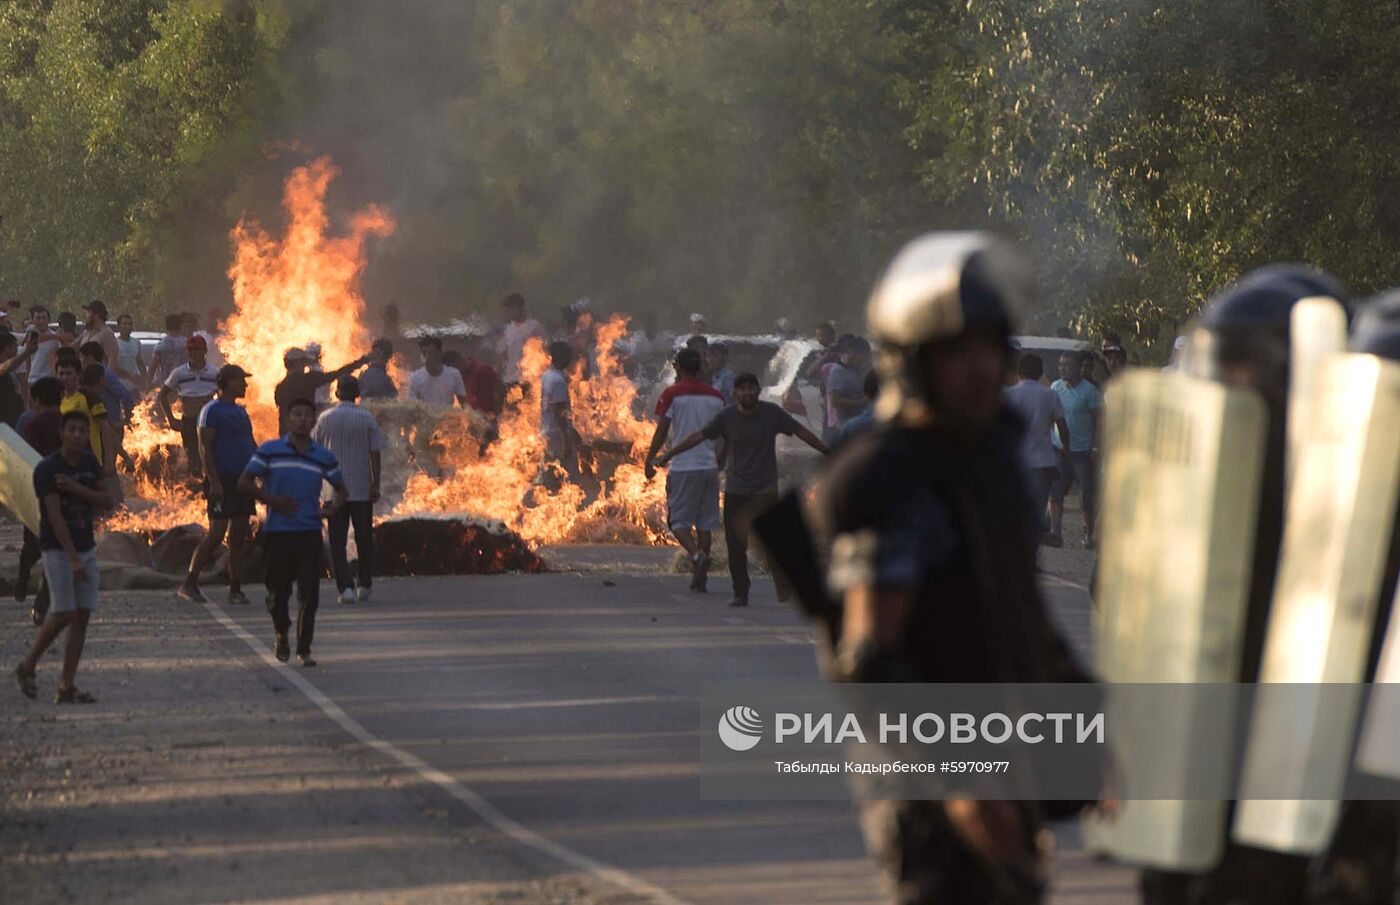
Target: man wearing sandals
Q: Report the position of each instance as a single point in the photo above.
(291, 470)
(68, 486)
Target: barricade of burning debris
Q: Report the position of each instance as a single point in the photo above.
(450, 545)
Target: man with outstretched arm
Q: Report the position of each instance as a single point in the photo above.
(750, 430)
(291, 470)
(68, 484)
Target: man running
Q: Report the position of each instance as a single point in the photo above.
(68, 486)
(352, 435)
(291, 470)
(195, 382)
(750, 430)
(692, 484)
(226, 443)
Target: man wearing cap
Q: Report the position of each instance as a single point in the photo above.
(226, 443)
(97, 331)
(194, 382)
(1114, 356)
(302, 382)
(353, 436)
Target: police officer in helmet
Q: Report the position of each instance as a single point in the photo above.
(933, 537)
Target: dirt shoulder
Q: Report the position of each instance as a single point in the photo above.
(203, 776)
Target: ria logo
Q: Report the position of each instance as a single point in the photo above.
(740, 728)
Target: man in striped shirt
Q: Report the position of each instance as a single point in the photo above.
(195, 383)
(352, 434)
(292, 469)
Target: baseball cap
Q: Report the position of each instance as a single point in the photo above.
(196, 342)
(229, 372)
(295, 353)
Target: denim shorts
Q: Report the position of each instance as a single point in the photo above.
(70, 591)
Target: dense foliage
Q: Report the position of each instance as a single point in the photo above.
(741, 158)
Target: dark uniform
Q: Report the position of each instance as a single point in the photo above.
(954, 524)
(949, 520)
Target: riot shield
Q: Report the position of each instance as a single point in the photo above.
(1317, 331)
(17, 461)
(1379, 750)
(1184, 460)
(1341, 506)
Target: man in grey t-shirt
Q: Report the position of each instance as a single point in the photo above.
(1041, 412)
(750, 431)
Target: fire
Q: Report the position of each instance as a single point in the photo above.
(611, 501)
(301, 289)
(304, 287)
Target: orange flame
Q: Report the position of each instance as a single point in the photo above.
(611, 502)
(305, 288)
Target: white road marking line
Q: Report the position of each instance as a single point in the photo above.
(478, 805)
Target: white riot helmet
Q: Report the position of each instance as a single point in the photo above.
(938, 287)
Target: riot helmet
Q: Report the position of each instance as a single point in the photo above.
(937, 289)
(1376, 330)
(1243, 336)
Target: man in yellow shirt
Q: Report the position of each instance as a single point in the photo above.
(80, 394)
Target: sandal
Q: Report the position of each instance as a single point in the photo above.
(73, 696)
(28, 682)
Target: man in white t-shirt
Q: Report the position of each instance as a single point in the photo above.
(1041, 412)
(517, 330)
(556, 422)
(435, 383)
(48, 343)
(692, 484)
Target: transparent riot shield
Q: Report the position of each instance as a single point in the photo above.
(1183, 469)
(17, 462)
(1317, 331)
(1341, 506)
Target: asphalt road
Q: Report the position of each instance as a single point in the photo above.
(566, 702)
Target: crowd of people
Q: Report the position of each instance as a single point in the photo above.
(710, 422)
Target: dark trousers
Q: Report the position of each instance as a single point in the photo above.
(189, 435)
(361, 515)
(739, 513)
(29, 554)
(294, 558)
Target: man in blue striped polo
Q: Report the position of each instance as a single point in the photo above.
(291, 470)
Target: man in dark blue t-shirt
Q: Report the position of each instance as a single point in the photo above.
(226, 444)
(292, 470)
(67, 484)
